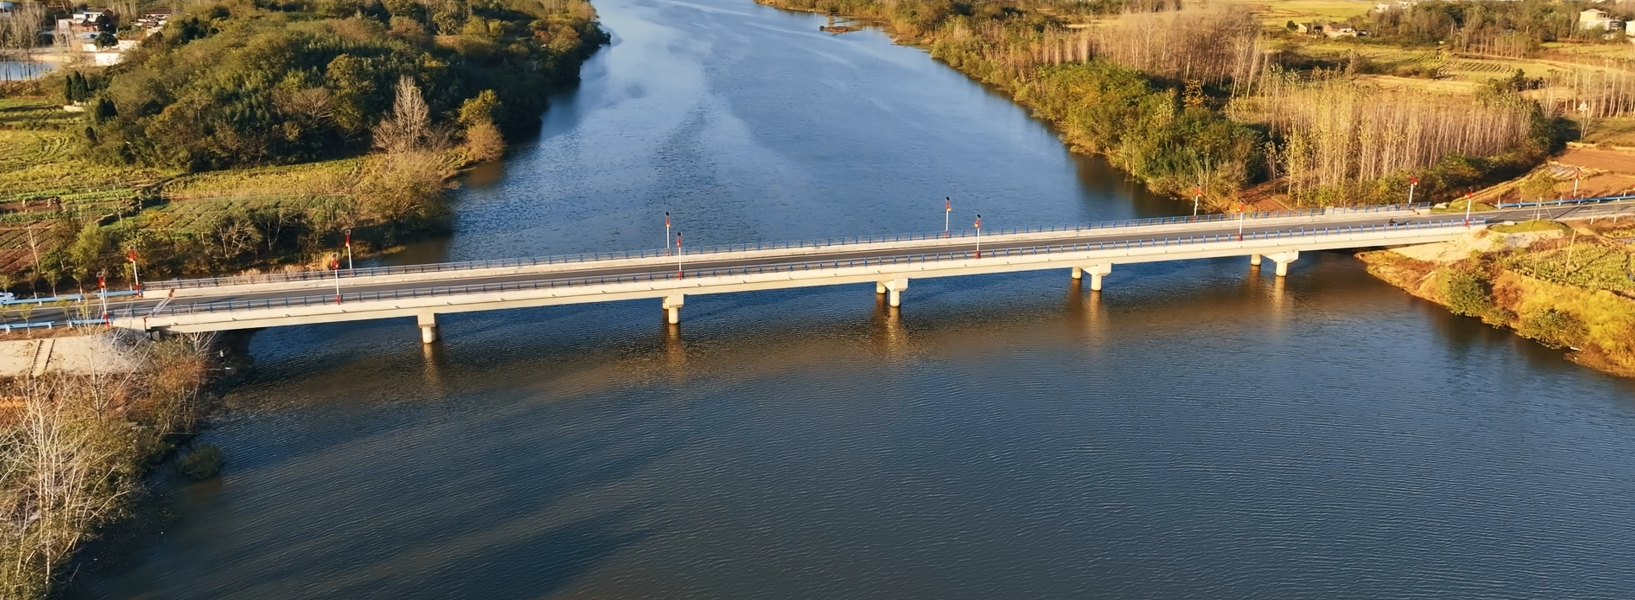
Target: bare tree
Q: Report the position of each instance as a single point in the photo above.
(409, 129)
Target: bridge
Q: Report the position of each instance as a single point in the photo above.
(890, 263)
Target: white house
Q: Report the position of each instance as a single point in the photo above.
(1595, 18)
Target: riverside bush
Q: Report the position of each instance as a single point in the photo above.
(202, 463)
(1468, 292)
(1554, 328)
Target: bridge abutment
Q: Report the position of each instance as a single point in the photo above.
(672, 308)
(428, 328)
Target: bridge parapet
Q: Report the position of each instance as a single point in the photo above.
(548, 264)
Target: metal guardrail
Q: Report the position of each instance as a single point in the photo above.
(746, 247)
(328, 299)
(66, 298)
(1565, 201)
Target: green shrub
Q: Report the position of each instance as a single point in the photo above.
(1554, 328)
(202, 463)
(1468, 292)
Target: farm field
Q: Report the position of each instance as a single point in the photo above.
(43, 179)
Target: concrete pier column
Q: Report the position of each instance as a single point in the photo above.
(896, 287)
(1283, 259)
(1254, 260)
(1096, 273)
(428, 327)
(879, 287)
(1078, 273)
(672, 308)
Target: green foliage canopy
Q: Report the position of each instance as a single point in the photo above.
(239, 83)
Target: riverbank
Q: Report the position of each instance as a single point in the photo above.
(1564, 287)
(1208, 101)
(77, 445)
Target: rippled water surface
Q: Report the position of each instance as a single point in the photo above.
(1197, 430)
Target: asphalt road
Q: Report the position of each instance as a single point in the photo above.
(707, 262)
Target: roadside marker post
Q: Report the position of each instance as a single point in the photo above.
(979, 235)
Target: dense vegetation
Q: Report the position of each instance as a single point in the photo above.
(258, 133)
(244, 83)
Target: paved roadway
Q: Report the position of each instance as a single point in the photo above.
(837, 253)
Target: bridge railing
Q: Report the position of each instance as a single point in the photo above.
(727, 248)
(964, 254)
(1565, 201)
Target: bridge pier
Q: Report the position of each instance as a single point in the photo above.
(1078, 273)
(428, 327)
(1254, 260)
(672, 308)
(896, 287)
(879, 287)
(1096, 273)
(1283, 259)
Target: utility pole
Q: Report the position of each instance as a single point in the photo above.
(947, 209)
(666, 230)
(348, 250)
(1413, 181)
(1197, 193)
(680, 274)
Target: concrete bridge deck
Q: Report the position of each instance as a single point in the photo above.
(424, 291)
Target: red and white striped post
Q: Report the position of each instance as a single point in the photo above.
(348, 250)
(1197, 194)
(1413, 181)
(947, 209)
(979, 235)
(335, 265)
(136, 278)
(666, 226)
(680, 274)
(1468, 201)
(102, 291)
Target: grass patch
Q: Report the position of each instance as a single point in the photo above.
(1458, 206)
(317, 178)
(1530, 226)
(1613, 131)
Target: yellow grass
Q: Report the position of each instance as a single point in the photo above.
(1616, 131)
(1279, 12)
(325, 177)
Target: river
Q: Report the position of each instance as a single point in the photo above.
(1199, 429)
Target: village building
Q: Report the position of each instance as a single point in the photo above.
(1595, 18)
(1338, 30)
